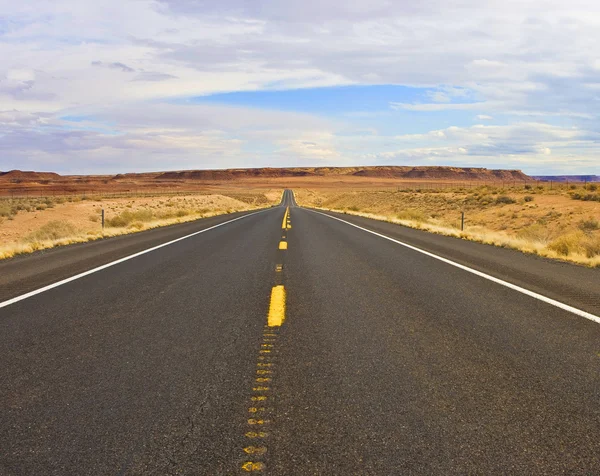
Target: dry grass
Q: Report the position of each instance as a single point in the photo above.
(28, 225)
(553, 224)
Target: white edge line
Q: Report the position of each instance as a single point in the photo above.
(113, 263)
(514, 287)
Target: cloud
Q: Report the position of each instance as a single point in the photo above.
(439, 107)
(515, 145)
(142, 136)
(153, 76)
(115, 65)
(520, 61)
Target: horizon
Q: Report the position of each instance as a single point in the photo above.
(145, 86)
(3, 172)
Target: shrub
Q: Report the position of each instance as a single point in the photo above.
(566, 244)
(53, 230)
(591, 246)
(504, 200)
(6, 210)
(537, 233)
(528, 198)
(128, 218)
(591, 224)
(412, 214)
(586, 197)
(178, 213)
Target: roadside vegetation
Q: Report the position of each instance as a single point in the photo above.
(557, 224)
(31, 224)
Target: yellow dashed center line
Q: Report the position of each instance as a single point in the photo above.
(250, 466)
(276, 315)
(284, 224)
(261, 408)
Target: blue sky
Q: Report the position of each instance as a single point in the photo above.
(330, 101)
(116, 86)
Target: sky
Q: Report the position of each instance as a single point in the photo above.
(137, 85)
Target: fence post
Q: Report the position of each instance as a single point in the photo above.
(103, 219)
(462, 221)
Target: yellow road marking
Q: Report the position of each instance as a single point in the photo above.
(264, 372)
(257, 434)
(252, 466)
(255, 450)
(285, 219)
(254, 421)
(276, 307)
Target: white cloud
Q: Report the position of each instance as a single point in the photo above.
(521, 144)
(119, 59)
(440, 107)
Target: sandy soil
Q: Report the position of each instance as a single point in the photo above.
(546, 222)
(84, 216)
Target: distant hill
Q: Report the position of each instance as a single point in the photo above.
(567, 178)
(387, 172)
(28, 176)
(435, 172)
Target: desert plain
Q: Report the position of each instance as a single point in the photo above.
(558, 220)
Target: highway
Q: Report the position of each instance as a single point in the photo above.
(290, 341)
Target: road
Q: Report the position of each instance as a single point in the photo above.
(380, 359)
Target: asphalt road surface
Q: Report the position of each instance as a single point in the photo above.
(379, 358)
